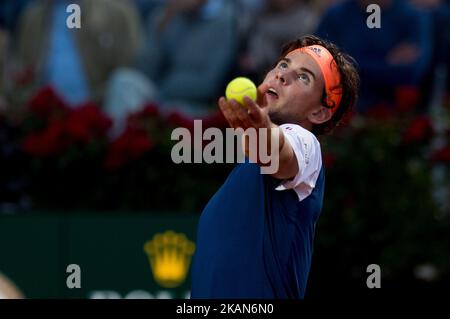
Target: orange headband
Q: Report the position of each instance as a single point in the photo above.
(330, 73)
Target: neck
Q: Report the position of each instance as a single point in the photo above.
(307, 125)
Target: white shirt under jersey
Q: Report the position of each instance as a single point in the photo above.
(309, 158)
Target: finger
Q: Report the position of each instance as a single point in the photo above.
(221, 102)
(229, 110)
(226, 111)
(223, 107)
(241, 113)
(251, 105)
(254, 110)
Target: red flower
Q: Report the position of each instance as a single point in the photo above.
(149, 110)
(72, 126)
(406, 98)
(87, 122)
(50, 141)
(215, 119)
(178, 119)
(131, 145)
(46, 103)
(442, 155)
(141, 117)
(419, 130)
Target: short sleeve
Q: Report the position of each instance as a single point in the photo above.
(309, 158)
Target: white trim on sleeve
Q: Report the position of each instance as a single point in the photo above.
(309, 158)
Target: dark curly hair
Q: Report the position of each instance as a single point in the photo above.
(349, 79)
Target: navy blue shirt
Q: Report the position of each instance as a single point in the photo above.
(254, 241)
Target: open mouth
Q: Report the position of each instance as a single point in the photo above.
(272, 92)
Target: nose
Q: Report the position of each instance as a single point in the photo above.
(281, 75)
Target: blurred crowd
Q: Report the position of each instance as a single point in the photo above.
(181, 53)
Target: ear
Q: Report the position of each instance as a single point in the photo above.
(320, 115)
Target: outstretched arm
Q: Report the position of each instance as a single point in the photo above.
(255, 116)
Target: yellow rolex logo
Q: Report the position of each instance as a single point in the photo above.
(169, 255)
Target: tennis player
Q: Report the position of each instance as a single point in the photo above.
(255, 236)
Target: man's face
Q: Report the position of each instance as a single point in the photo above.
(293, 89)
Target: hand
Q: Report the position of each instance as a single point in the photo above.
(251, 115)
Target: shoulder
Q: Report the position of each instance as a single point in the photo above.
(307, 151)
(296, 131)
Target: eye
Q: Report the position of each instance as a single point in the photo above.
(282, 65)
(304, 77)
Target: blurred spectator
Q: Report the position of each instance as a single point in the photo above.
(251, 5)
(248, 11)
(391, 57)
(189, 49)
(77, 62)
(10, 11)
(145, 7)
(280, 21)
(440, 55)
